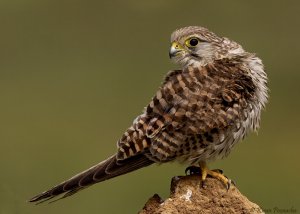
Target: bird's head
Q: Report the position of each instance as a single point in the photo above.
(195, 45)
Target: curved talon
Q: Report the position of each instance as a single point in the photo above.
(202, 184)
(228, 184)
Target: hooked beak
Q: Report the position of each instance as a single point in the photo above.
(175, 49)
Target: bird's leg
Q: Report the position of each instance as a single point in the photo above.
(203, 171)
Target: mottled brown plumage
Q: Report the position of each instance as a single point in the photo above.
(196, 116)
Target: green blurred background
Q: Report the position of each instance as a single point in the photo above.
(74, 75)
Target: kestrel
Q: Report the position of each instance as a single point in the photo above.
(197, 115)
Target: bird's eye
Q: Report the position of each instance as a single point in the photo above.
(192, 42)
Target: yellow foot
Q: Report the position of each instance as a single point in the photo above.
(204, 172)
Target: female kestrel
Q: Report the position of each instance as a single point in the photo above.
(197, 115)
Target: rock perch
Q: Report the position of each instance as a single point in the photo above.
(187, 197)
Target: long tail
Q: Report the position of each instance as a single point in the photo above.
(107, 169)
